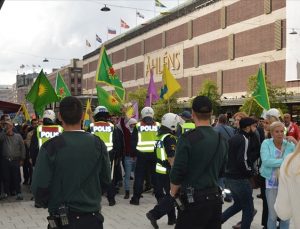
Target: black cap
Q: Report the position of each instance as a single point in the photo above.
(186, 115)
(202, 104)
(244, 122)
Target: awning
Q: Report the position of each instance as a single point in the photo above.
(7, 107)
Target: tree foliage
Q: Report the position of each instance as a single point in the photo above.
(161, 107)
(209, 88)
(277, 95)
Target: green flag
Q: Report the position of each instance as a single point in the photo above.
(260, 94)
(106, 74)
(107, 100)
(41, 93)
(61, 88)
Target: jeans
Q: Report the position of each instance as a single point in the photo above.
(129, 167)
(241, 191)
(271, 194)
(11, 176)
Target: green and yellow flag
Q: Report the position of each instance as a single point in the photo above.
(260, 94)
(41, 93)
(25, 112)
(86, 120)
(107, 100)
(61, 88)
(106, 74)
(170, 84)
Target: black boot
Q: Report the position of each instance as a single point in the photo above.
(152, 220)
(126, 195)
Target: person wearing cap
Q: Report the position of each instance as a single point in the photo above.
(13, 155)
(201, 155)
(186, 124)
(143, 141)
(241, 157)
(70, 173)
(109, 134)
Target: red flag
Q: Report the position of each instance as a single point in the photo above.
(124, 24)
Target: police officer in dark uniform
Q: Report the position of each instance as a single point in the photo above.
(69, 173)
(201, 154)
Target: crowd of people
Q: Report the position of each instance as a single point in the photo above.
(241, 154)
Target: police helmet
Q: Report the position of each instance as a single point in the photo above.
(170, 120)
(49, 114)
(147, 112)
(100, 109)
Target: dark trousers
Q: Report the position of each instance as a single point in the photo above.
(11, 175)
(87, 221)
(143, 161)
(241, 190)
(27, 172)
(203, 215)
(165, 201)
(264, 216)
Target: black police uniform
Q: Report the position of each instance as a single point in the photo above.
(201, 155)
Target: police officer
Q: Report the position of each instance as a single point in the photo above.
(102, 128)
(186, 124)
(165, 152)
(143, 141)
(201, 155)
(69, 172)
(43, 133)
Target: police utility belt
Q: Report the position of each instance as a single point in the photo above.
(191, 196)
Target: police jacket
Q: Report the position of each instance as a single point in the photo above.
(243, 151)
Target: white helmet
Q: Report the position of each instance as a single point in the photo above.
(273, 112)
(170, 120)
(147, 112)
(49, 114)
(100, 109)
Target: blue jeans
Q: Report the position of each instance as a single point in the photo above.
(271, 194)
(129, 167)
(241, 191)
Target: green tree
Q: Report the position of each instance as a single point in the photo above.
(277, 95)
(161, 107)
(139, 95)
(209, 88)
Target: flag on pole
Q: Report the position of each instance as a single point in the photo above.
(152, 95)
(86, 120)
(25, 112)
(106, 74)
(133, 111)
(107, 100)
(98, 39)
(41, 93)
(111, 31)
(170, 84)
(159, 4)
(87, 43)
(260, 93)
(140, 15)
(124, 24)
(61, 88)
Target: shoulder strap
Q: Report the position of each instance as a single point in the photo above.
(226, 131)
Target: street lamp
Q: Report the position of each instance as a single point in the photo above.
(105, 8)
(294, 32)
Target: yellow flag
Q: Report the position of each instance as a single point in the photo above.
(88, 107)
(170, 84)
(129, 112)
(25, 112)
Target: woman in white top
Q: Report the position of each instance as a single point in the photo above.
(287, 203)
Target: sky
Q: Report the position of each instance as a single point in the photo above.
(57, 30)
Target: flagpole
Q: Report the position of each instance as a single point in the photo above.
(150, 99)
(169, 105)
(17, 113)
(250, 107)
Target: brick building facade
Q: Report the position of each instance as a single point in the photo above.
(222, 40)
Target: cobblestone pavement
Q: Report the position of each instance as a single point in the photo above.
(23, 215)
